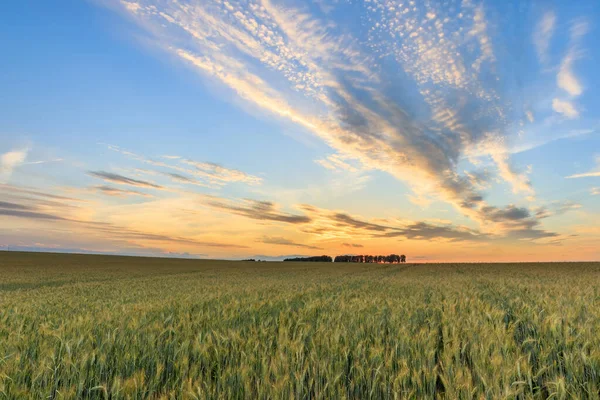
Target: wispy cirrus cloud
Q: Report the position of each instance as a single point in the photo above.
(216, 173)
(205, 173)
(33, 212)
(565, 108)
(566, 78)
(336, 163)
(116, 192)
(123, 180)
(184, 179)
(12, 189)
(543, 33)
(280, 241)
(353, 245)
(254, 209)
(595, 172)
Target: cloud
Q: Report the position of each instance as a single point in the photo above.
(184, 179)
(595, 191)
(543, 34)
(211, 173)
(335, 162)
(123, 180)
(343, 219)
(30, 215)
(585, 175)
(479, 30)
(508, 222)
(556, 208)
(494, 146)
(593, 173)
(44, 161)
(566, 78)
(480, 179)
(254, 209)
(286, 242)
(216, 173)
(549, 138)
(106, 229)
(34, 192)
(530, 116)
(516, 222)
(354, 245)
(311, 71)
(131, 6)
(520, 181)
(113, 191)
(565, 108)
(426, 231)
(565, 206)
(13, 206)
(9, 161)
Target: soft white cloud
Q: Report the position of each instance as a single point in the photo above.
(595, 191)
(564, 107)
(132, 6)
(335, 162)
(543, 34)
(494, 146)
(9, 161)
(566, 78)
(44, 161)
(585, 175)
(530, 116)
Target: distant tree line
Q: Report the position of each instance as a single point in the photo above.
(391, 259)
(311, 259)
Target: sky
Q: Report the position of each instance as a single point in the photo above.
(444, 130)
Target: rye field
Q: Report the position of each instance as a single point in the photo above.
(103, 327)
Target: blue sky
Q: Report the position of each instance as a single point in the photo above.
(456, 130)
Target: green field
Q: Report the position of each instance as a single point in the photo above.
(75, 326)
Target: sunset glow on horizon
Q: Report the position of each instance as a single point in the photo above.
(456, 130)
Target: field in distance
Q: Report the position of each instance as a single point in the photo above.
(82, 326)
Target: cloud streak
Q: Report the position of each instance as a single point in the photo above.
(254, 209)
(280, 241)
(123, 180)
(211, 174)
(116, 192)
(566, 78)
(595, 172)
(106, 229)
(543, 34)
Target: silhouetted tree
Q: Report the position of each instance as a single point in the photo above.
(392, 258)
(311, 259)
